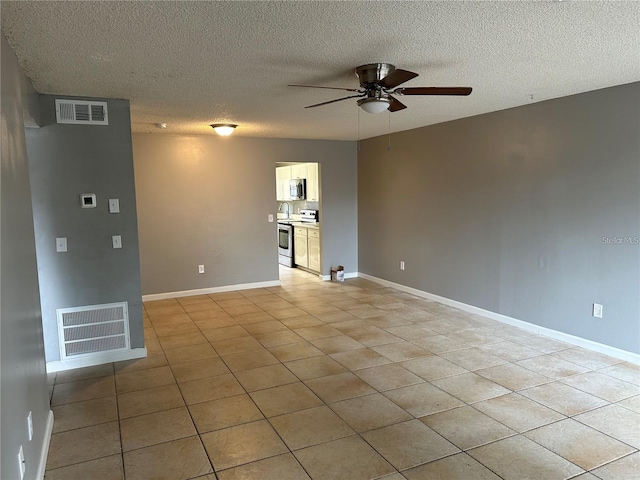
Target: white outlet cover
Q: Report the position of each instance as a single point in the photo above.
(270, 218)
(200, 268)
(117, 241)
(597, 310)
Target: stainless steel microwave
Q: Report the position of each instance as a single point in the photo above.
(298, 189)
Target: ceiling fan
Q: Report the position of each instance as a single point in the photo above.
(378, 82)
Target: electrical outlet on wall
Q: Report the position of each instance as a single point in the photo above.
(200, 268)
(597, 310)
(401, 264)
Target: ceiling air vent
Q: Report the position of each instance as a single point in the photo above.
(81, 112)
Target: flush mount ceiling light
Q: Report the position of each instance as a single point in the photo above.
(223, 129)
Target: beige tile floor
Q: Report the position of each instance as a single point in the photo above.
(343, 381)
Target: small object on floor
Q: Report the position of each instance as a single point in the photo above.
(337, 274)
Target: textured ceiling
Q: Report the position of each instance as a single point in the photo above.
(193, 63)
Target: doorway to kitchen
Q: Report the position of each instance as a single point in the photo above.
(299, 216)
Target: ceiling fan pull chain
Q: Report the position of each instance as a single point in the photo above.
(359, 130)
(389, 144)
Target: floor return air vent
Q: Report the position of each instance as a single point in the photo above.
(92, 330)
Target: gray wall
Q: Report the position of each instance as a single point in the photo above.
(66, 161)
(205, 200)
(507, 211)
(23, 378)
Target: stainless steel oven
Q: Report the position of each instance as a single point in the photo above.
(285, 244)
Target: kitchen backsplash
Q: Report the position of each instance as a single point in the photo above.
(296, 206)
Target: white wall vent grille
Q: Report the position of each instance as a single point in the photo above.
(81, 112)
(93, 329)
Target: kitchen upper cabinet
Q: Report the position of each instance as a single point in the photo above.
(283, 177)
(299, 171)
(313, 193)
(308, 171)
(313, 249)
(300, 247)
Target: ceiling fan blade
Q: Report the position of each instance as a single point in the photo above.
(433, 91)
(330, 88)
(333, 101)
(396, 105)
(397, 77)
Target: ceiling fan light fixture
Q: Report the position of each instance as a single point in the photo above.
(374, 105)
(223, 129)
(378, 85)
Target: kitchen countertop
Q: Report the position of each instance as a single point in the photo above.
(298, 223)
(313, 226)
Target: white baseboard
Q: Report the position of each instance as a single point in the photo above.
(531, 327)
(42, 465)
(205, 291)
(99, 359)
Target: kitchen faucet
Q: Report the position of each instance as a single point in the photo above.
(287, 210)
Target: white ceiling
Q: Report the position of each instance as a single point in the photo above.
(193, 63)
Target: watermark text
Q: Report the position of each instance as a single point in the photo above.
(615, 240)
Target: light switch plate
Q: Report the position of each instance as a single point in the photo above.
(22, 466)
(30, 425)
(114, 205)
(270, 217)
(117, 241)
(61, 244)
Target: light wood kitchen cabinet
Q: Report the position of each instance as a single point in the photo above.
(308, 171)
(307, 248)
(299, 170)
(300, 247)
(313, 249)
(313, 193)
(283, 177)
